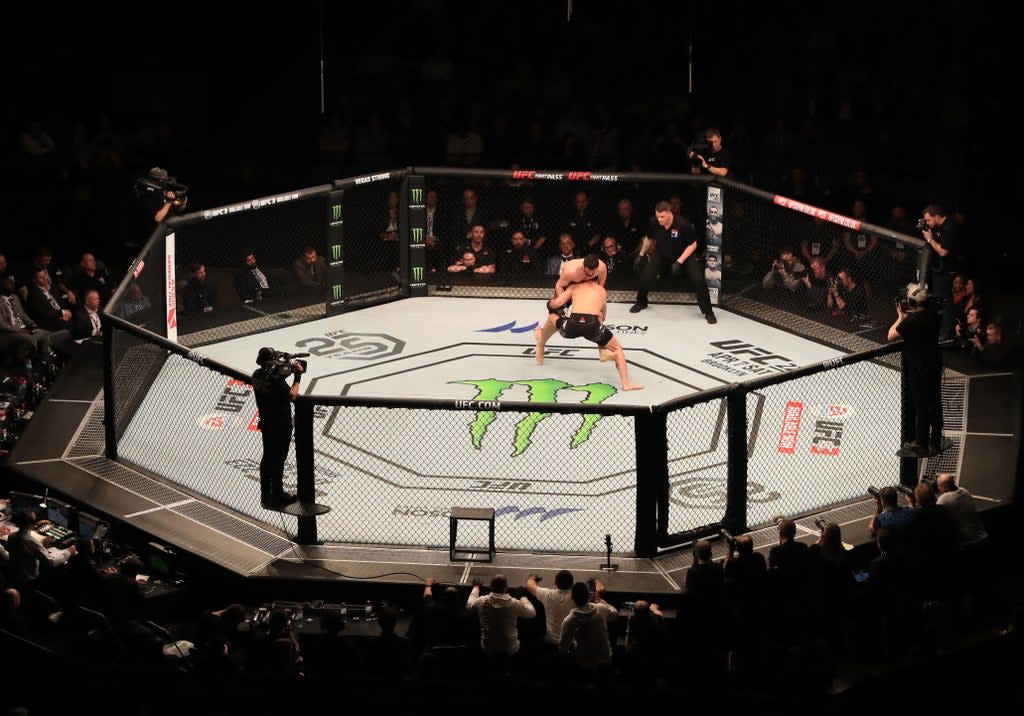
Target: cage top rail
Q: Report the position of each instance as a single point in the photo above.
(594, 177)
(262, 202)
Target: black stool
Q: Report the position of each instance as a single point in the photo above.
(470, 513)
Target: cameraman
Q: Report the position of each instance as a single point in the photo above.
(273, 400)
(940, 234)
(918, 326)
(711, 158)
(161, 199)
(786, 270)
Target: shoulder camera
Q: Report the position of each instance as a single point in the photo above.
(150, 185)
(279, 364)
(921, 224)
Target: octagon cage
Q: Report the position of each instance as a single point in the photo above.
(354, 271)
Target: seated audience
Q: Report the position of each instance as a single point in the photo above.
(199, 294)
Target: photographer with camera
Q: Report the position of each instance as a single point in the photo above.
(940, 234)
(273, 399)
(847, 297)
(787, 270)
(710, 157)
(162, 194)
(918, 325)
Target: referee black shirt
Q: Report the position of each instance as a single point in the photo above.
(671, 242)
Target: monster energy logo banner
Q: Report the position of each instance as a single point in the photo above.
(335, 213)
(417, 274)
(416, 196)
(417, 235)
(335, 252)
(544, 390)
(336, 292)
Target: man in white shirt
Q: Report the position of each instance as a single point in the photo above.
(557, 603)
(960, 504)
(499, 613)
(27, 549)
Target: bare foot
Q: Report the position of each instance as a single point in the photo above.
(631, 386)
(538, 336)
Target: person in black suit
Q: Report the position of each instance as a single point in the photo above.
(85, 321)
(44, 307)
(250, 282)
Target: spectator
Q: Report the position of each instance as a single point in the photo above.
(19, 333)
(86, 319)
(566, 252)
(619, 264)
(581, 227)
(520, 259)
(45, 309)
(959, 503)
(310, 270)
(135, 306)
(816, 285)
(251, 283)
(499, 614)
(557, 603)
(199, 295)
(626, 230)
(91, 274)
(585, 629)
(485, 259)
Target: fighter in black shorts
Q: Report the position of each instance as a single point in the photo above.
(584, 325)
(588, 297)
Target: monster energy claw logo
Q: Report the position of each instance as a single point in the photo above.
(417, 274)
(335, 212)
(335, 252)
(417, 196)
(544, 390)
(336, 291)
(417, 235)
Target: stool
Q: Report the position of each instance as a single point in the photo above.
(470, 513)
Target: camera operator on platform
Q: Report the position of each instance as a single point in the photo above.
(160, 196)
(273, 399)
(711, 158)
(917, 324)
(939, 232)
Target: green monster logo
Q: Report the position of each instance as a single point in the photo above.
(336, 291)
(335, 252)
(417, 196)
(544, 390)
(417, 274)
(335, 212)
(417, 235)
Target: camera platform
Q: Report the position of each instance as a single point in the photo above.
(918, 453)
(305, 509)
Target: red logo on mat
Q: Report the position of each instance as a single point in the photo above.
(790, 427)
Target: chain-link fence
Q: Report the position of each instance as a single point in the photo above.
(557, 482)
(821, 440)
(838, 270)
(601, 213)
(698, 442)
(373, 227)
(249, 267)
